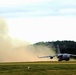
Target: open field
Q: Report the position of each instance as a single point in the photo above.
(38, 68)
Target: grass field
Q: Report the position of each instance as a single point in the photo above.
(38, 68)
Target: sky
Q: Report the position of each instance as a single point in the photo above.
(40, 20)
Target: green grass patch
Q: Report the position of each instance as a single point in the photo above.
(38, 68)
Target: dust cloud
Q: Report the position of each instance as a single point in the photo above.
(14, 50)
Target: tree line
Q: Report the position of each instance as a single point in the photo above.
(65, 46)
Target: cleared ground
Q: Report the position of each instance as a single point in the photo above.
(38, 68)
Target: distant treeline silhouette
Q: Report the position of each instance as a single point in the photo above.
(65, 46)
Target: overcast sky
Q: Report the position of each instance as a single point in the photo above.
(40, 20)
